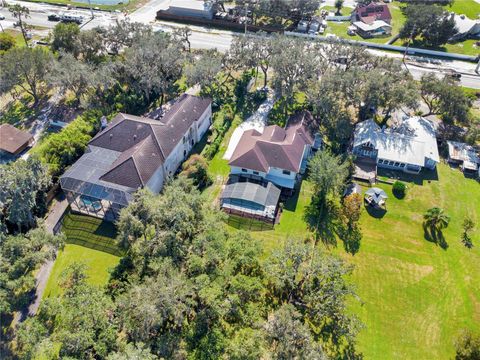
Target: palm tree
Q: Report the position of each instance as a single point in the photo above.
(436, 219)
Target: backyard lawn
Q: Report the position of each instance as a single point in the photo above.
(415, 296)
(89, 241)
(471, 8)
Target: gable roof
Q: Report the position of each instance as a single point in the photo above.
(373, 11)
(411, 142)
(12, 139)
(135, 166)
(375, 25)
(275, 147)
(143, 144)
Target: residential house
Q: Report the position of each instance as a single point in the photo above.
(409, 146)
(371, 12)
(134, 152)
(277, 155)
(464, 155)
(13, 142)
(467, 28)
(374, 29)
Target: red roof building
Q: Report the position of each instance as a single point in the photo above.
(371, 12)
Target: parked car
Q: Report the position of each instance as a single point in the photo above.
(53, 17)
(67, 18)
(453, 74)
(2, 17)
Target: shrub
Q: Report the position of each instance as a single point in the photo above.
(399, 189)
(7, 41)
(63, 148)
(196, 168)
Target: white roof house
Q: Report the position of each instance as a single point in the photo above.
(466, 26)
(377, 24)
(464, 154)
(372, 29)
(408, 146)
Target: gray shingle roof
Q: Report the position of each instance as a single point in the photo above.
(247, 191)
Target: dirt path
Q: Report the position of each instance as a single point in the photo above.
(42, 275)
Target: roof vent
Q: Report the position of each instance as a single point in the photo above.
(111, 136)
(134, 137)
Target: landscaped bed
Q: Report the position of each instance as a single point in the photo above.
(89, 241)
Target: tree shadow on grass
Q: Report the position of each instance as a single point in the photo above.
(321, 221)
(435, 236)
(375, 212)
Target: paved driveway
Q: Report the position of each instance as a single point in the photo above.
(257, 121)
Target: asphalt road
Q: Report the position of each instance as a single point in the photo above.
(208, 38)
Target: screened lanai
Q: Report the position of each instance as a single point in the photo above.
(252, 200)
(87, 193)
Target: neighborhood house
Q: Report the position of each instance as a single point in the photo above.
(467, 28)
(134, 152)
(376, 28)
(465, 156)
(408, 146)
(368, 14)
(277, 155)
(13, 142)
(264, 165)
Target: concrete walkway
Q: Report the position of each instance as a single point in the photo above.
(257, 121)
(41, 278)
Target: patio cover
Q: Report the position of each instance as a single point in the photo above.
(377, 194)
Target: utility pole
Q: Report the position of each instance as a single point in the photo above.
(91, 10)
(410, 39)
(245, 18)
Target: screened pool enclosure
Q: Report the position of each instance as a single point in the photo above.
(87, 193)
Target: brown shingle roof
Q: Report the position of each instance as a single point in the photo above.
(276, 147)
(146, 143)
(13, 140)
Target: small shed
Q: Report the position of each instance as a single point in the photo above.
(13, 141)
(352, 188)
(464, 155)
(251, 200)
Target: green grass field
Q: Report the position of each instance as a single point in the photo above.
(467, 7)
(415, 296)
(89, 241)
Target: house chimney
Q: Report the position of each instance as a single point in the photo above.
(135, 137)
(103, 122)
(111, 136)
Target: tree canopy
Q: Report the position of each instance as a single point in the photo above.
(430, 23)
